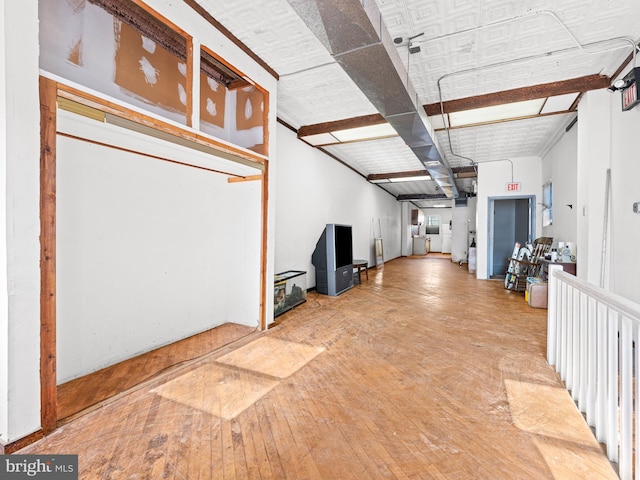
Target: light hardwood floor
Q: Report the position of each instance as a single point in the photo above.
(420, 372)
(88, 391)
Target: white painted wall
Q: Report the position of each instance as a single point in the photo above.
(594, 157)
(492, 179)
(141, 261)
(560, 167)
(625, 178)
(312, 190)
(608, 138)
(4, 310)
(20, 256)
(407, 244)
(446, 216)
(464, 222)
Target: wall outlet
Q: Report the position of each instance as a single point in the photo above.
(636, 207)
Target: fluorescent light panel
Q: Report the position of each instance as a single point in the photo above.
(417, 178)
(320, 139)
(365, 133)
(497, 112)
(559, 103)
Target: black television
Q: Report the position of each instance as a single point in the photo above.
(333, 260)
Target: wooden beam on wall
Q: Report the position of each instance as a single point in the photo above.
(48, 378)
(575, 85)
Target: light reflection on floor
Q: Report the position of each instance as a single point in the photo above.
(561, 434)
(232, 383)
(217, 390)
(272, 356)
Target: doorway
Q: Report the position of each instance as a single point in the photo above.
(512, 221)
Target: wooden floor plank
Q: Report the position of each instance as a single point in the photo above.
(423, 372)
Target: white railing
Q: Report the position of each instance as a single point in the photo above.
(591, 339)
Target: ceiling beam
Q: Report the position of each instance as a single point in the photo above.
(574, 85)
(459, 172)
(420, 196)
(465, 172)
(347, 123)
(383, 176)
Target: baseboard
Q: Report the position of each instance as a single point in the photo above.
(12, 447)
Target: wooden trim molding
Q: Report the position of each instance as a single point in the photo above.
(148, 155)
(250, 178)
(106, 106)
(264, 250)
(48, 378)
(13, 447)
(189, 81)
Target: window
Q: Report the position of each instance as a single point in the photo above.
(547, 202)
(432, 225)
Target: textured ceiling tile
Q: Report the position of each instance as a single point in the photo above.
(272, 30)
(531, 33)
(320, 95)
(520, 138)
(379, 156)
(314, 89)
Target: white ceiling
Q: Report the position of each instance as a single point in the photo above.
(467, 48)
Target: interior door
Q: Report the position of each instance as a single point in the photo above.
(511, 224)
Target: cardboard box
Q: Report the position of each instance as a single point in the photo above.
(537, 295)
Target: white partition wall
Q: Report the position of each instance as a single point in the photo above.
(314, 189)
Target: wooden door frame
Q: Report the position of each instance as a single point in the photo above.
(50, 90)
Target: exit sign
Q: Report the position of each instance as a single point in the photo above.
(630, 97)
(513, 187)
(630, 92)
